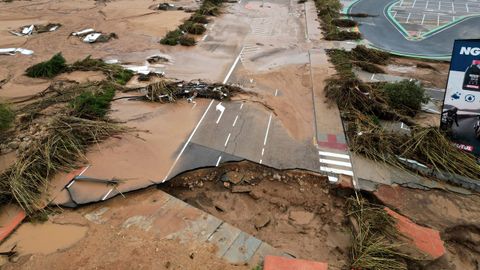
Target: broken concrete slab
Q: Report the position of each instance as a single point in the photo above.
(427, 241)
(13, 51)
(242, 249)
(261, 221)
(283, 263)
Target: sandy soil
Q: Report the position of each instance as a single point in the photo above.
(291, 210)
(431, 73)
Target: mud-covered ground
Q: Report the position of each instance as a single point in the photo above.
(293, 211)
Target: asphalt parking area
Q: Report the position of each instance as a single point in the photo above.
(419, 17)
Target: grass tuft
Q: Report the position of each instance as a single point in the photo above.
(93, 105)
(6, 117)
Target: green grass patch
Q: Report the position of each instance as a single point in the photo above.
(405, 95)
(6, 117)
(93, 105)
(192, 28)
(48, 69)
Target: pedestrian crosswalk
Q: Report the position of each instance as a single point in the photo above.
(334, 164)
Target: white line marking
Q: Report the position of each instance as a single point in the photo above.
(234, 122)
(84, 170)
(241, 106)
(106, 195)
(228, 138)
(276, 92)
(220, 108)
(204, 37)
(71, 183)
(439, 5)
(268, 128)
(335, 162)
(466, 5)
(373, 75)
(194, 105)
(414, 2)
(438, 19)
(408, 18)
(453, 8)
(218, 161)
(426, 5)
(263, 151)
(188, 141)
(423, 18)
(232, 68)
(260, 161)
(401, 3)
(327, 169)
(336, 155)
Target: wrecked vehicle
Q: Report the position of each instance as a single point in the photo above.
(91, 36)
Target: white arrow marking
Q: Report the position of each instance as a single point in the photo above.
(221, 109)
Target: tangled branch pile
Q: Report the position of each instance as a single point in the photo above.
(165, 91)
(374, 232)
(59, 144)
(329, 13)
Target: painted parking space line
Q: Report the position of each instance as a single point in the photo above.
(228, 138)
(423, 18)
(218, 161)
(408, 18)
(106, 195)
(268, 129)
(235, 121)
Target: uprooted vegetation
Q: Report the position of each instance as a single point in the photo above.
(57, 65)
(6, 117)
(365, 105)
(194, 25)
(329, 13)
(375, 237)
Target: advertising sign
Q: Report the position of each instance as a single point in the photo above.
(461, 107)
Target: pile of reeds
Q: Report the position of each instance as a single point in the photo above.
(113, 72)
(63, 143)
(428, 146)
(374, 237)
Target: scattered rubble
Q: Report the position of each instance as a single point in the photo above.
(91, 36)
(36, 29)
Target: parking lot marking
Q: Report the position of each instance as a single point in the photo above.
(466, 6)
(228, 138)
(232, 67)
(401, 3)
(426, 5)
(439, 5)
(423, 18)
(218, 161)
(106, 195)
(453, 8)
(414, 2)
(263, 151)
(408, 18)
(276, 92)
(241, 106)
(438, 19)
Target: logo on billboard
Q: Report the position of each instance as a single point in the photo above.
(470, 51)
(456, 96)
(469, 98)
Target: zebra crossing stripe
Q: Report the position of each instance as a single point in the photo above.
(335, 162)
(337, 171)
(336, 155)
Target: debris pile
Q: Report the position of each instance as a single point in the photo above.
(329, 13)
(165, 91)
(35, 29)
(91, 36)
(195, 25)
(423, 150)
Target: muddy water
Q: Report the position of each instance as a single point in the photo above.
(43, 238)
